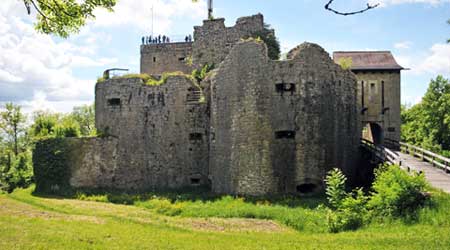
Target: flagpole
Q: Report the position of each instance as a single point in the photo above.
(152, 20)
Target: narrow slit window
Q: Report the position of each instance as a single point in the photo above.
(181, 59)
(154, 59)
(285, 134)
(114, 102)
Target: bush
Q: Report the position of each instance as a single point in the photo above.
(397, 193)
(335, 190)
(349, 209)
(351, 213)
(273, 46)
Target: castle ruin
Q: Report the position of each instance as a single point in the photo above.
(253, 126)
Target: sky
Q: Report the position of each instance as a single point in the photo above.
(43, 72)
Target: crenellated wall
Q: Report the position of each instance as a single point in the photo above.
(279, 126)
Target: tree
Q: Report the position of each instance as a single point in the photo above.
(64, 17)
(428, 123)
(12, 124)
(448, 21)
(436, 111)
(85, 116)
(44, 125)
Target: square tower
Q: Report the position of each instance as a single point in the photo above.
(378, 76)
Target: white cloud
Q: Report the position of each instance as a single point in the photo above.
(384, 3)
(138, 14)
(36, 70)
(437, 61)
(403, 45)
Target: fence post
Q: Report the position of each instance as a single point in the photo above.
(447, 170)
(423, 156)
(432, 160)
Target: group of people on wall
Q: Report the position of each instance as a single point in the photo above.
(161, 39)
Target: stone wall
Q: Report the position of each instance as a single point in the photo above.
(64, 163)
(213, 41)
(165, 57)
(279, 126)
(92, 162)
(377, 86)
(162, 132)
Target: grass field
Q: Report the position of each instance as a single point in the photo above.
(171, 222)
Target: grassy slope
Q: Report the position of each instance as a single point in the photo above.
(28, 222)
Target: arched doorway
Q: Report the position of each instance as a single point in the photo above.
(373, 132)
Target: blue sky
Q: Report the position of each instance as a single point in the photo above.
(45, 72)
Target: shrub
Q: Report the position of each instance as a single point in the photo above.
(345, 63)
(273, 45)
(164, 206)
(199, 75)
(335, 190)
(397, 193)
(349, 209)
(351, 213)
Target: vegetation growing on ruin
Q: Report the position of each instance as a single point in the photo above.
(346, 63)
(50, 165)
(268, 37)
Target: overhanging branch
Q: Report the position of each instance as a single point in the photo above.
(369, 7)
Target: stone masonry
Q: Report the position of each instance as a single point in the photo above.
(254, 126)
(279, 126)
(166, 57)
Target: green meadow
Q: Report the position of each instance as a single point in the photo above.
(201, 221)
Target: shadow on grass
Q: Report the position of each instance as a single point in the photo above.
(202, 194)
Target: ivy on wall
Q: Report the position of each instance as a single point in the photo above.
(51, 169)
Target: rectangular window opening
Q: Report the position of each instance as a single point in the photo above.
(195, 136)
(114, 102)
(154, 59)
(285, 134)
(391, 129)
(181, 59)
(284, 87)
(195, 181)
